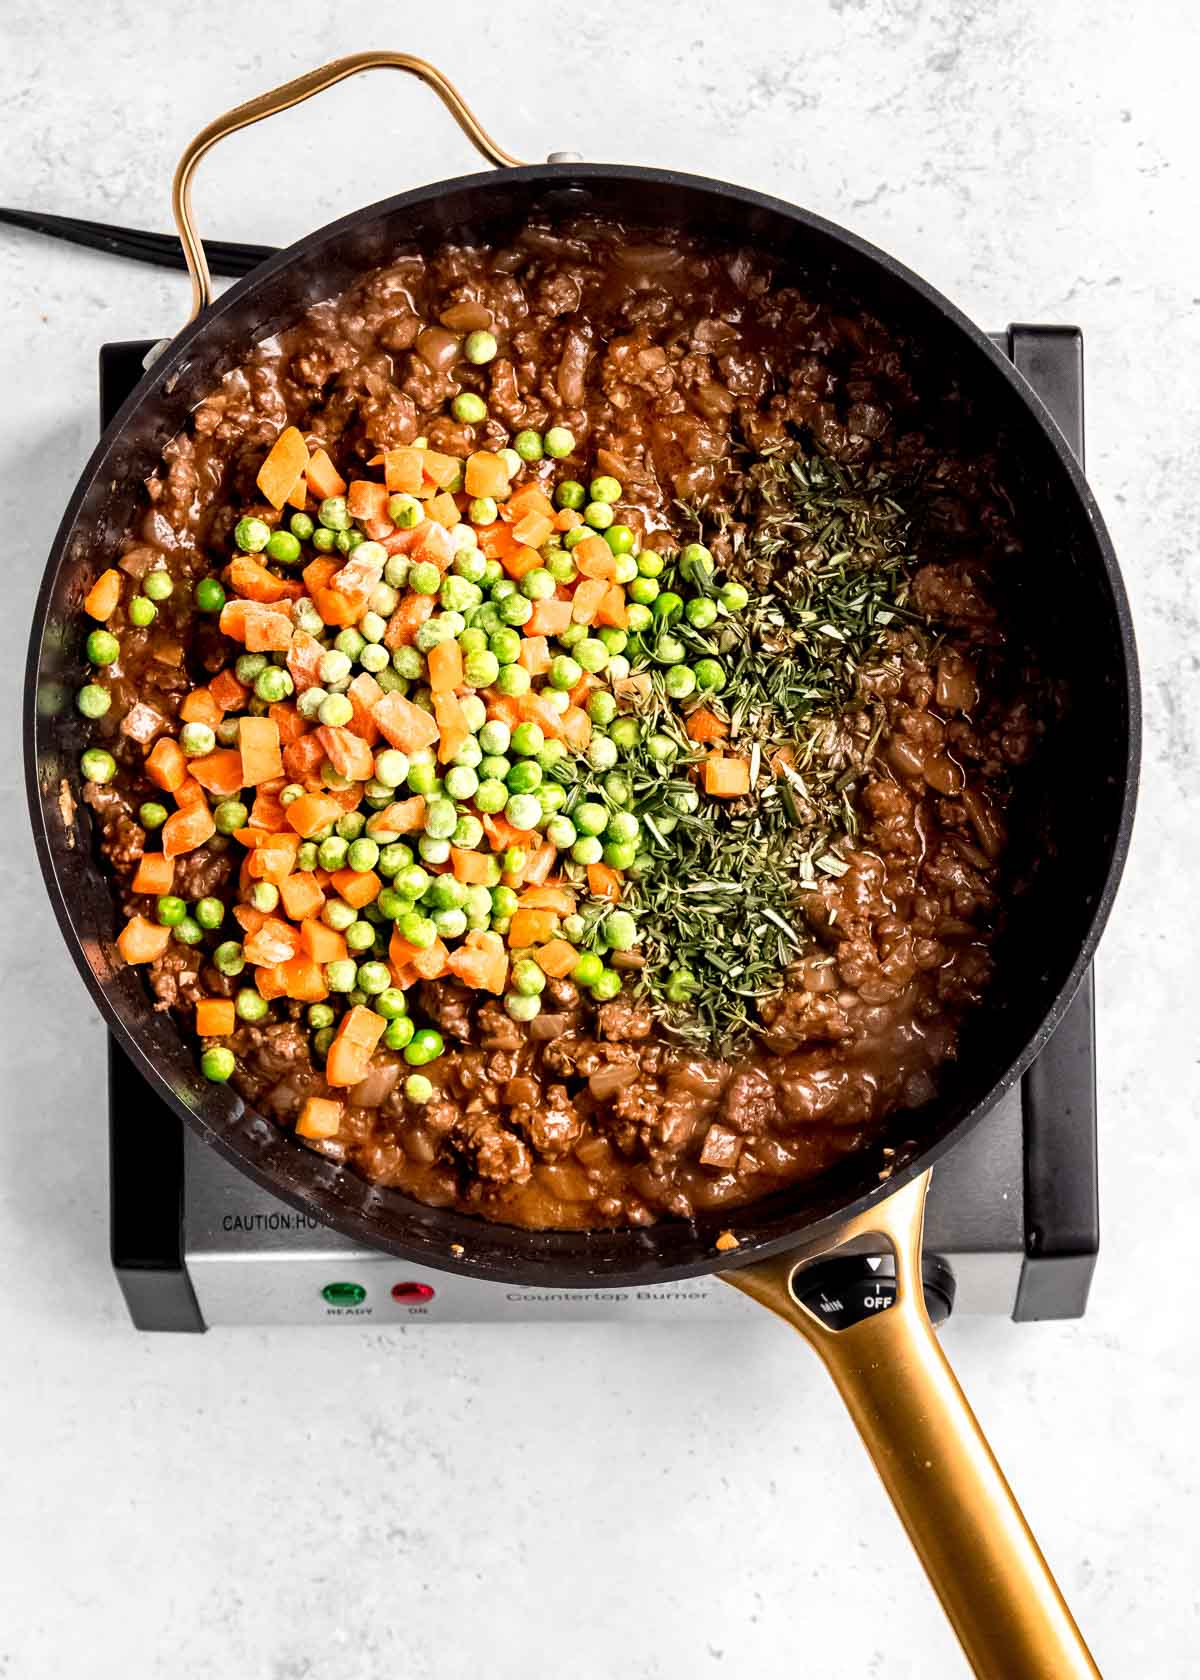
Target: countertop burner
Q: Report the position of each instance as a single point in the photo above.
(1012, 1226)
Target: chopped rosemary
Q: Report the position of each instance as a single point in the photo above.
(721, 891)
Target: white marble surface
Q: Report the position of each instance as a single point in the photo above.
(443, 1503)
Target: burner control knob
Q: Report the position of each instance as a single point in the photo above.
(846, 1290)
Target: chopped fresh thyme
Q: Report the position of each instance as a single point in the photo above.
(721, 890)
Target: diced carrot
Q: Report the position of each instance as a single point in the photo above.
(253, 581)
(269, 979)
(502, 834)
(358, 576)
(452, 726)
(346, 1064)
(486, 474)
(432, 962)
(585, 603)
(275, 859)
(219, 772)
(363, 694)
(402, 470)
(566, 519)
(263, 629)
(366, 500)
(301, 895)
(556, 958)
(549, 618)
(521, 560)
(299, 495)
(536, 710)
(529, 499)
(484, 970)
(613, 609)
(726, 778)
(318, 572)
(444, 509)
(215, 1017)
(189, 792)
(404, 725)
(503, 708)
(337, 608)
(559, 899)
(287, 720)
(404, 816)
(539, 866)
(273, 942)
(303, 979)
(400, 952)
(155, 874)
(258, 743)
(398, 542)
(184, 830)
(347, 799)
(320, 1117)
(408, 618)
(442, 469)
(141, 941)
(323, 944)
(267, 812)
(445, 667)
(496, 541)
(578, 695)
(704, 726)
(304, 656)
(531, 927)
(227, 692)
(166, 766)
(357, 886)
(603, 882)
(312, 812)
(434, 544)
(534, 655)
(404, 977)
(473, 869)
(348, 753)
(533, 529)
(576, 729)
(248, 918)
(287, 460)
(595, 559)
(103, 597)
(323, 477)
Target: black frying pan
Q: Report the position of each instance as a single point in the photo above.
(1070, 838)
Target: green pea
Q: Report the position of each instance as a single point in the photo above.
(334, 514)
(560, 831)
(103, 648)
(394, 857)
(481, 669)
(551, 753)
(527, 978)
(598, 515)
(468, 408)
(461, 783)
(252, 535)
(624, 569)
(680, 682)
(620, 931)
(516, 609)
(491, 796)
(524, 777)
(570, 494)
(335, 711)
(142, 612)
(601, 708)
(637, 616)
(229, 958)
(626, 732)
(209, 595)
(602, 753)
(470, 564)
(93, 700)
(321, 1041)
(417, 1088)
(217, 1063)
(559, 442)
(523, 810)
(373, 978)
(399, 1031)
(469, 756)
(538, 585)
(591, 654)
(587, 970)
(264, 895)
(734, 597)
(650, 564)
(196, 740)
(248, 665)
(528, 445)
(169, 910)
(468, 832)
(273, 684)
(332, 852)
(229, 815)
(661, 748)
(512, 461)
(643, 590)
(701, 612)
(338, 915)
(620, 539)
(668, 606)
(301, 526)
(587, 850)
(359, 937)
(417, 929)
(422, 778)
(349, 826)
(440, 819)
(514, 680)
(521, 1008)
(250, 1005)
(669, 650)
(188, 931)
(283, 547)
(564, 672)
(710, 675)
(96, 765)
(482, 510)
(696, 563)
(560, 565)
(681, 984)
(604, 489)
(158, 585)
(341, 975)
(152, 815)
(347, 541)
(324, 541)
(480, 347)
(528, 740)
(209, 912)
(572, 635)
(607, 987)
(426, 1045)
(362, 855)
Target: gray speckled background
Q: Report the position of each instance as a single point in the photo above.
(599, 1502)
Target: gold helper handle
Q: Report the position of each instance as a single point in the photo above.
(938, 1469)
(280, 99)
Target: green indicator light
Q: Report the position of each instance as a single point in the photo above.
(344, 1294)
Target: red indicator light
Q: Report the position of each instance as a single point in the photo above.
(412, 1292)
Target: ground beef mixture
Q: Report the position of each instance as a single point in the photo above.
(667, 360)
